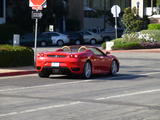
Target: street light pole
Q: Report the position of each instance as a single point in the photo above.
(104, 19)
(151, 7)
(138, 8)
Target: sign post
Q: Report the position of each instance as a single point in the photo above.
(36, 14)
(115, 11)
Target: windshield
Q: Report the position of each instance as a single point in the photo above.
(74, 49)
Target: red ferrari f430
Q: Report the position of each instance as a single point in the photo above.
(81, 60)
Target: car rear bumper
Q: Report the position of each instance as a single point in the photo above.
(63, 68)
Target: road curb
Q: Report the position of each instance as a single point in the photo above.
(17, 73)
(135, 50)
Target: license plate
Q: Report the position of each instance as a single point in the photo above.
(55, 64)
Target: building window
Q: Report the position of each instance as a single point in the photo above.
(1, 8)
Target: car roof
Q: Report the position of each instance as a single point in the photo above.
(50, 32)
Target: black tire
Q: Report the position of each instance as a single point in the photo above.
(60, 43)
(43, 74)
(93, 41)
(87, 72)
(114, 68)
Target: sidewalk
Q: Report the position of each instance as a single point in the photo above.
(30, 69)
(17, 71)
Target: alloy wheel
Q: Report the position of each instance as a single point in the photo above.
(87, 70)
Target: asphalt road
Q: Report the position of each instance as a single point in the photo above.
(133, 94)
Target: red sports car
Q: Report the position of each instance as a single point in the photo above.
(81, 60)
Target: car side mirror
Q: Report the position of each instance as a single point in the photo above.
(107, 52)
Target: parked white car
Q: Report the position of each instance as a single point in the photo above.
(57, 38)
(91, 38)
(109, 33)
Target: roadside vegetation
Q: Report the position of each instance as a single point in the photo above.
(11, 56)
(138, 34)
(144, 39)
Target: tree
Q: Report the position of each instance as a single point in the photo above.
(22, 15)
(131, 20)
(51, 15)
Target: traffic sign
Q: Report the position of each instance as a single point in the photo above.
(36, 15)
(115, 10)
(38, 4)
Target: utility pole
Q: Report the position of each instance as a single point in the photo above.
(151, 7)
(104, 14)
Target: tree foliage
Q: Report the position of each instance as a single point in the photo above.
(22, 14)
(131, 21)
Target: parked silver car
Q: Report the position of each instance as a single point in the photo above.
(109, 33)
(91, 38)
(57, 38)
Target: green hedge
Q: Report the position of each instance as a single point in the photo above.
(15, 56)
(127, 46)
(123, 43)
(120, 44)
(154, 27)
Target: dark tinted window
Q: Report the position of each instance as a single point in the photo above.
(54, 34)
(1, 8)
(96, 51)
(87, 33)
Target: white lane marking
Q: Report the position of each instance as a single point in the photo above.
(76, 103)
(129, 94)
(151, 73)
(40, 86)
(67, 83)
(40, 109)
(2, 78)
(8, 114)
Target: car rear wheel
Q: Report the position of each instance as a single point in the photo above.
(43, 74)
(87, 73)
(60, 43)
(93, 41)
(114, 68)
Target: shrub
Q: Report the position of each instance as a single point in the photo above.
(150, 35)
(148, 45)
(144, 39)
(126, 45)
(103, 45)
(132, 37)
(15, 56)
(154, 27)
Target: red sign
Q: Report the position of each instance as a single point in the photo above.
(37, 7)
(37, 2)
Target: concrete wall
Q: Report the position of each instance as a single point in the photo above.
(93, 23)
(155, 19)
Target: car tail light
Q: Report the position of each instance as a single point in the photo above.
(73, 56)
(40, 55)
